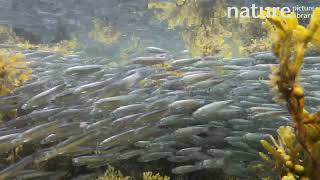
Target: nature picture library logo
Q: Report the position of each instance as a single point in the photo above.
(255, 11)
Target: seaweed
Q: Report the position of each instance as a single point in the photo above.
(104, 32)
(203, 35)
(10, 41)
(296, 154)
(151, 176)
(64, 46)
(14, 72)
(205, 29)
(112, 174)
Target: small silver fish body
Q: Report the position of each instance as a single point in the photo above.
(195, 78)
(128, 121)
(189, 131)
(6, 142)
(112, 103)
(185, 169)
(85, 69)
(9, 102)
(209, 110)
(152, 60)
(128, 110)
(43, 97)
(185, 106)
(184, 62)
(156, 50)
(130, 154)
(205, 84)
(37, 132)
(188, 151)
(179, 159)
(216, 163)
(9, 172)
(176, 120)
(91, 87)
(65, 146)
(154, 156)
(94, 159)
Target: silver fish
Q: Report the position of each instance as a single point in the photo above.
(268, 114)
(150, 60)
(151, 117)
(155, 50)
(185, 106)
(179, 159)
(154, 156)
(86, 69)
(118, 138)
(176, 120)
(209, 110)
(192, 130)
(100, 124)
(219, 153)
(185, 169)
(65, 146)
(195, 78)
(215, 163)
(128, 110)
(9, 172)
(130, 154)
(37, 132)
(126, 121)
(312, 60)
(5, 142)
(43, 97)
(254, 137)
(184, 62)
(188, 151)
(112, 103)
(9, 102)
(94, 159)
(205, 84)
(92, 86)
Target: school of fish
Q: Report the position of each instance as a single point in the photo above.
(204, 113)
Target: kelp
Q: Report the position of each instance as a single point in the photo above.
(296, 154)
(286, 152)
(10, 41)
(7, 35)
(113, 174)
(14, 72)
(203, 35)
(104, 32)
(152, 176)
(64, 46)
(205, 29)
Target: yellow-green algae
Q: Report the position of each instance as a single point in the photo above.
(104, 31)
(10, 41)
(14, 71)
(112, 174)
(296, 153)
(206, 30)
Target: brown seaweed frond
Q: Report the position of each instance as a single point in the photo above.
(289, 42)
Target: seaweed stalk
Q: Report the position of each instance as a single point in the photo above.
(289, 41)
